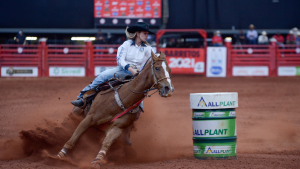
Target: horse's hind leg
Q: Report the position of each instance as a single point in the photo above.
(82, 127)
(112, 135)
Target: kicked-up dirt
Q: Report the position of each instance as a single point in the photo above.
(36, 121)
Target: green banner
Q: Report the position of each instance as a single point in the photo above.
(297, 71)
(214, 113)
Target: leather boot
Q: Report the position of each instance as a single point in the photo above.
(78, 102)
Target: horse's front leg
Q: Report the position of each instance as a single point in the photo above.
(112, 135)
(82, 127)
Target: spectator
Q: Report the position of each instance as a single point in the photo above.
(298, 39)
(290, 38)
(252, 35)
(100, 39)
(217, 39)
(263, 38)
(240, 38)
(279, 38)
(295, 31)
(21, 38)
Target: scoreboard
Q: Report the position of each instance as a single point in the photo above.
(127, 12)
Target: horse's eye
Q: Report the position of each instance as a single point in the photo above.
(156, 68)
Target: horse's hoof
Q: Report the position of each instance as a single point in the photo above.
(97, 163)
(60, 155)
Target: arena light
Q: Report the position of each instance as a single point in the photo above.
(31, 38)
(83, 38)
(228, 39)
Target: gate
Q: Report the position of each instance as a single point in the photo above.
(20, 60)
(65, 60)
(250, 60)
(288, 60)
(102, 57)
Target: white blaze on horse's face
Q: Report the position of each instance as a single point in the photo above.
(162, 75)
(168, 88)
(166, 73)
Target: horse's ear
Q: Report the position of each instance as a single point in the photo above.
(154, 56)
(163, 55)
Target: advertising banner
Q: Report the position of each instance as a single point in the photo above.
(214, 128)
(288, 71)
(250, 71)
(216, 62)
(66, 71)
(19, 71)
(126, 12)
(185, 60)
(214, 100)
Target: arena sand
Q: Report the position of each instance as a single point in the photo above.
(35, 122)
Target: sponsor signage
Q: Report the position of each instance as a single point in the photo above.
(216, 62)
(99, 69)
(185, 60)
(200, 114)
(213, 150)
(288, 71)
(213, 101)
(19, 71)
(214, 128)
(217, 150)
(127, 9)
(127, 12)
(250, 71)
(66, 71)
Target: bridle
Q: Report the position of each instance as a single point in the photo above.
(156, 81)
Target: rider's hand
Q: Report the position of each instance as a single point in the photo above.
(133, 71)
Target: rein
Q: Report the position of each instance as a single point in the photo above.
(155, 80)
(117, 97)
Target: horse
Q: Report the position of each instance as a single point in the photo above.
(155, 74)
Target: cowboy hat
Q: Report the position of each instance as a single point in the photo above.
(139, 26)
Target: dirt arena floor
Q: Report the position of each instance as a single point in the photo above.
(35, 122)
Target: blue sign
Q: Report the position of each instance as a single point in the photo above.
(216, 70)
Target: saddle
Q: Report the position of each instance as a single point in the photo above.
(88, 96)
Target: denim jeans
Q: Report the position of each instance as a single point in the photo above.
(105, 75)
(252, 41)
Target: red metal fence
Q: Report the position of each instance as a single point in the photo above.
(90, 60)
(101, 58)
(288, 60)
(20, 60)
(250, 60)
(65, 60)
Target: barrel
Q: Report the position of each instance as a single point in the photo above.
(214, 125)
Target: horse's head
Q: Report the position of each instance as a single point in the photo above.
(161, 74)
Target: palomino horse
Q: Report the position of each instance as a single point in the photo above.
(105, 108)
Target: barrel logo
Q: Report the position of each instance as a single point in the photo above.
(232, 113)
(202, 103)
(198, 114)
(217, 114)
(217, 150)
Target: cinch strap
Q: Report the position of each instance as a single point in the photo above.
(121, 114)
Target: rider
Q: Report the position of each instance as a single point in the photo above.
(131, 56)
